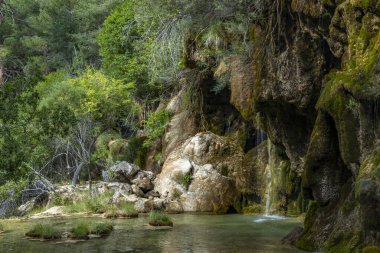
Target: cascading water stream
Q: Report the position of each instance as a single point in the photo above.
(268, 189)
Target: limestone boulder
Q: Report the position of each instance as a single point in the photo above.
(199, 176)
(240, 74)
(122, 172)
(143, 180)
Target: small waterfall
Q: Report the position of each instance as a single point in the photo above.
(268, 189)
(260, 136)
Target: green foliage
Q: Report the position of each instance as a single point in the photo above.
(51, 50)
(13, 187)
(95, 205)
(80, 231)
(47, 35)
(2, 228)
(159, 219)
(90, 204)
(157, 156)
(36, 38)
(119, 40)
(124, 210)
(91, 95)
(184, 179)
(45, 231)
(102, 229)
(62, 201)
(155, 126)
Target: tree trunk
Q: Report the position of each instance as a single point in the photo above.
(76, 174)
(89, 181)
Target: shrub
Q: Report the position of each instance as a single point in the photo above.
(184, 179)
(45, 231)
(95, 205)
(80, 231)
(155, 126)
(102, 229)
(159, 219)
(12, 186)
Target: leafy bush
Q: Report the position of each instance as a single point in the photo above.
(159, 219)
(155, 126)
(80, 231)
(184, 179)
(13, 187)
(45, 231)
(102, 229)
(91, 95)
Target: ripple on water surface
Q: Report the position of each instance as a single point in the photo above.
(191, 233)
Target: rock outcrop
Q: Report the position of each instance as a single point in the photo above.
(201, 175)
(316, 96)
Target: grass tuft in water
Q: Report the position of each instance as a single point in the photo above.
(80, 231)
(2, 227)
(45, 231)
(102, 229)
(159, 219)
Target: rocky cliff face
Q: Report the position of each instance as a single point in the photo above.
(312, 84)
(316, 93)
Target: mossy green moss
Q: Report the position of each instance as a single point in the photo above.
(253, 209)
(371, 249)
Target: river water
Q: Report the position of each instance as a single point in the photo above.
(191, 234)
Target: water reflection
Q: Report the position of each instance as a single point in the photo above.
(191, 233)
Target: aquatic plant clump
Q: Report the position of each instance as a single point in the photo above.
(45, 231)
(102, 229)
(80, 231)
(1, 227)
(159, 219)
